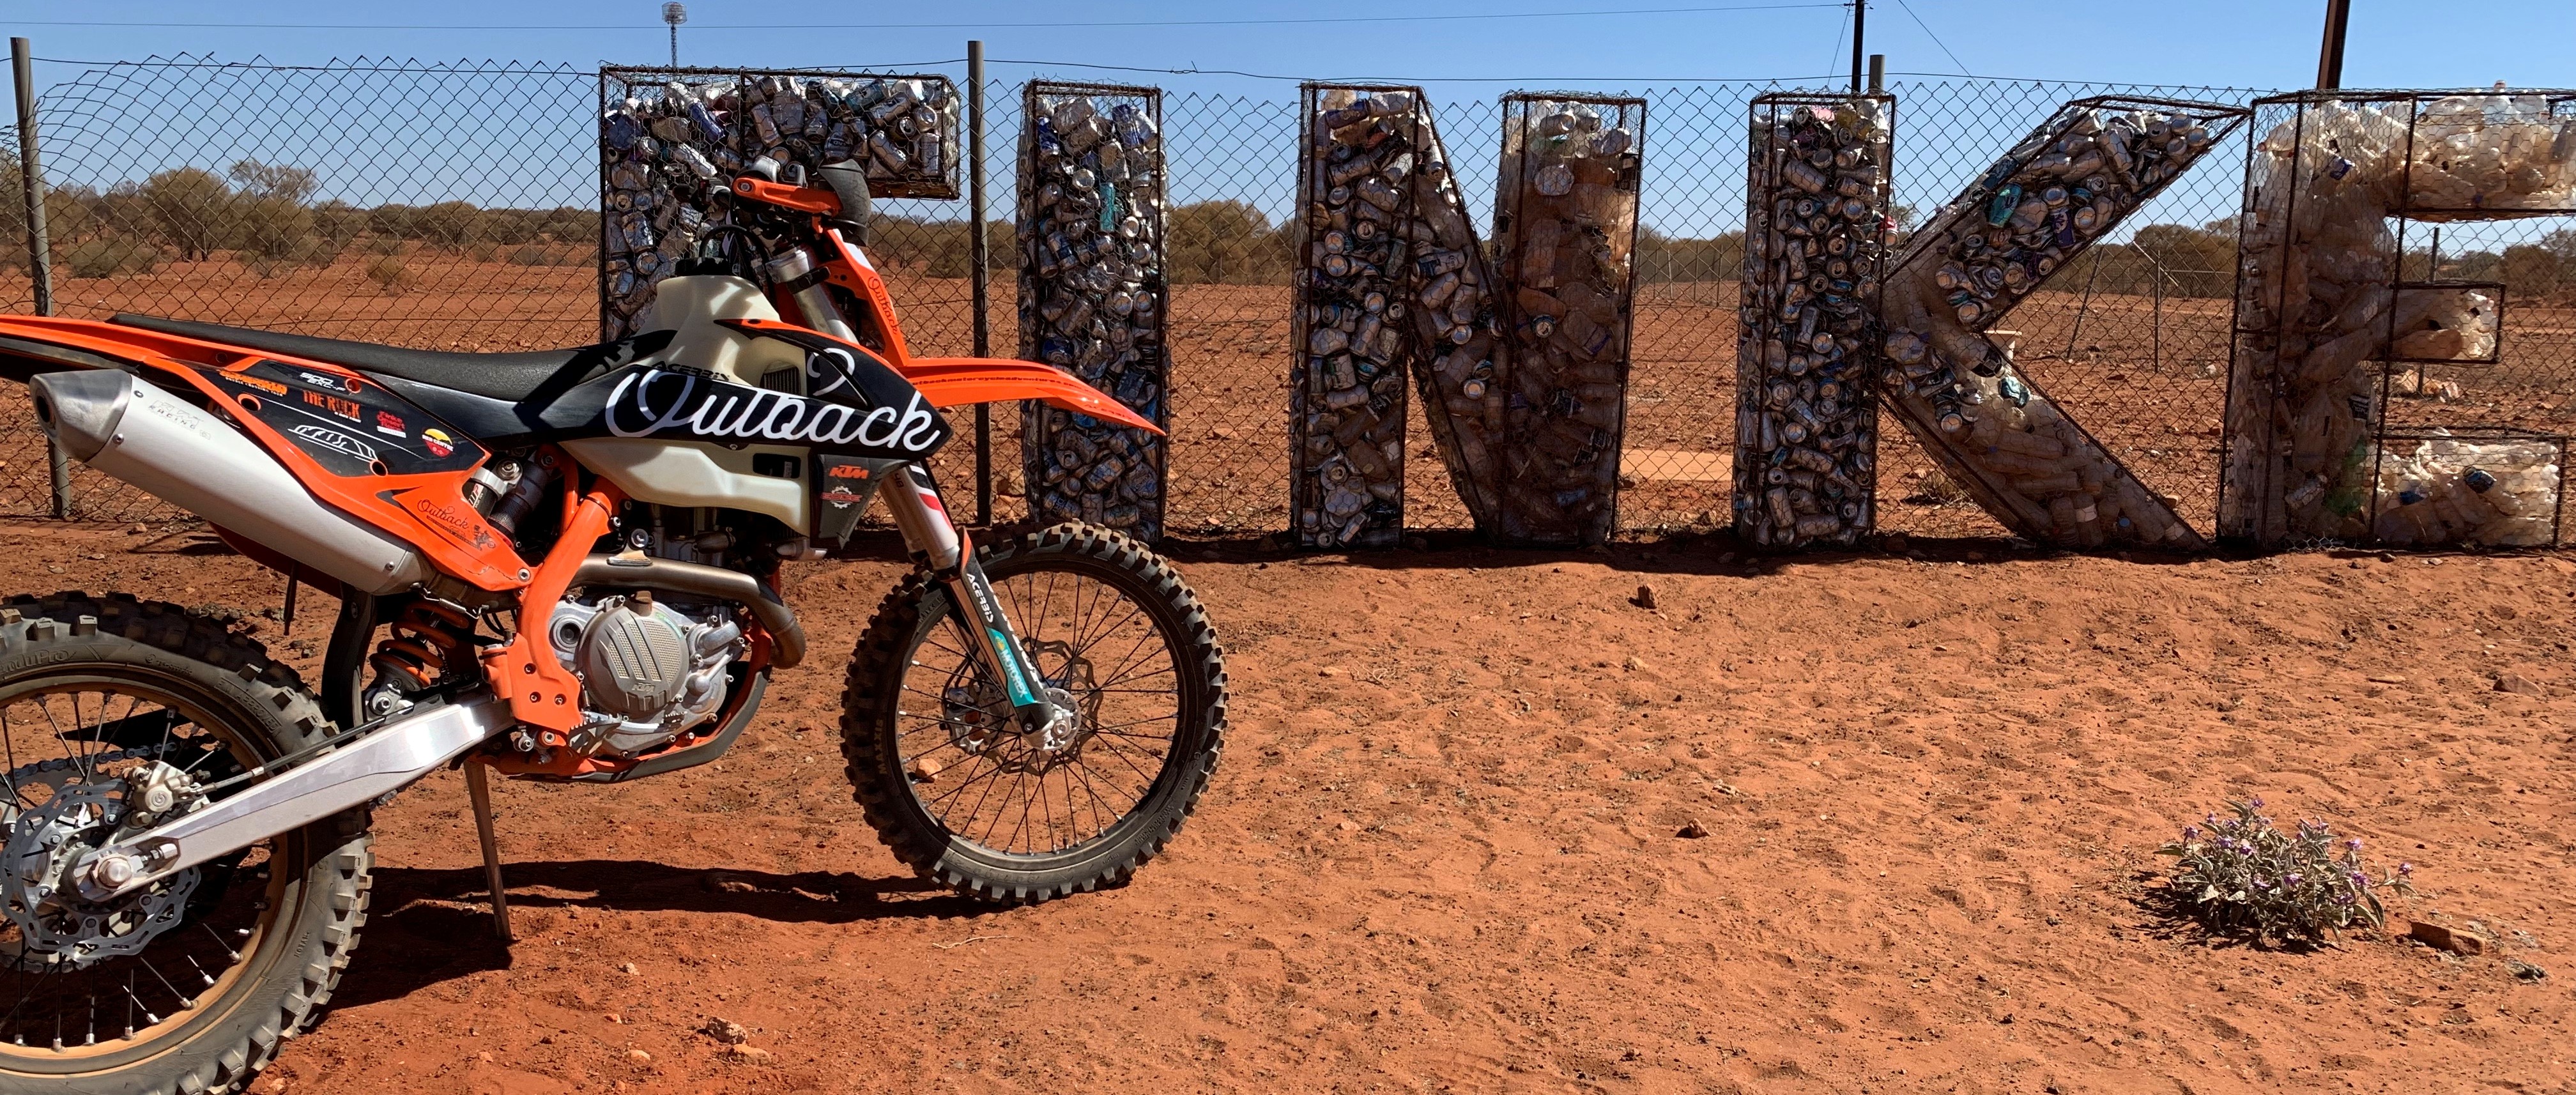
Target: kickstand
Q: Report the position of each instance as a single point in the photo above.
(481, 792)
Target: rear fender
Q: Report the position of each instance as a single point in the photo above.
(958, 381)
(419, 501)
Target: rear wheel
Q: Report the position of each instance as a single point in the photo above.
(191, 984)
(960, 794)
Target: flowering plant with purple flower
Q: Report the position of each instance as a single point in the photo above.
(2243, 876)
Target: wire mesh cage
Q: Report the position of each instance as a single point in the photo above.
(671, 141)
(1565, 218)
(1951, 375)
(1358, 146)
(2340, 317)
(1806, 411)
(1093, 299)
(2488, 485)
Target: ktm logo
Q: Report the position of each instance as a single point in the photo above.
(848, 471)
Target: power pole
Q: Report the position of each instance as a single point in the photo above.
(1860, 22)
(2330, 54)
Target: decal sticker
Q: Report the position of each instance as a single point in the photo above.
(390, 424)
(266, 385)
(437, 441)
(345, 408)
(663, 402)
(335, 383)
(336, 441)
(459, 523)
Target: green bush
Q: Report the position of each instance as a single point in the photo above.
(390, 274)
(111, 256)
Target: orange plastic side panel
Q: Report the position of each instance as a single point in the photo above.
(541, 691)
(850, 271)
(426, 511)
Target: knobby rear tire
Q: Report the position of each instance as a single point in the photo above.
(306, 946)
(871, 731)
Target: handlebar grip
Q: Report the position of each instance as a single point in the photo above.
(850, 182)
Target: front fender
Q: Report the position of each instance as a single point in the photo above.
(958, 381)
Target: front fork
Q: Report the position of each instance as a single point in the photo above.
(936, 540)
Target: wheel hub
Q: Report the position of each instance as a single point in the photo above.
(42, 891)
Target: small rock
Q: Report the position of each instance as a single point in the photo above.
(1332, 671)
(2385, 679)
(1691, 830)
(2525, 972)
(626, 967)
(2517, 683)
(1347, 825)
(741, 1052)
(2441, 938)
(1634, 663)
(1645, 598)
(639, 1056)
(923, 770)
(2387, 557)
(141, 527)
(724, 1030)
(726, 882)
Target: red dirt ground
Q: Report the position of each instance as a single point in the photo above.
(1442, 852)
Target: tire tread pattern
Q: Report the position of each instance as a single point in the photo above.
(231, 1053)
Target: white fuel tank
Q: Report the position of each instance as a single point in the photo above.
(684, 473)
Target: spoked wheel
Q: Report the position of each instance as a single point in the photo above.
(189, 984)
(967, 798)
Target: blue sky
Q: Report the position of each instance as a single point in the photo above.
(2245, 43)
(381, 144)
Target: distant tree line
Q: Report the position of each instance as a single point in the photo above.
(264, 216)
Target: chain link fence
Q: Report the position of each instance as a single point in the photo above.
(455, 207)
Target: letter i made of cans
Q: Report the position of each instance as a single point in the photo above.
(1361, 148)
(1816, 229)
(672, 140)
(1951, 375)
(1093, 298)
(1566, 217)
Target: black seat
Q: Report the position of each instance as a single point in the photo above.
(512, 378)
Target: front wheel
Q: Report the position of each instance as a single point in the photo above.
(962, 796)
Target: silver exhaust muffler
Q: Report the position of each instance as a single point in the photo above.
(189, 458)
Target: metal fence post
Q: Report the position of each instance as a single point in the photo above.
(40, 249)
(978, 276)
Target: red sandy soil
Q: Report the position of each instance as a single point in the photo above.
(1442, 852)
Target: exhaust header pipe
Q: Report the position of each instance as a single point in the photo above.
(189, 458)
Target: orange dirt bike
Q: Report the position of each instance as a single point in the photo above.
(572, 556)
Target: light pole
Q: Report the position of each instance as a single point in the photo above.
(675, 13)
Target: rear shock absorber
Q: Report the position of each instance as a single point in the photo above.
(428, 638)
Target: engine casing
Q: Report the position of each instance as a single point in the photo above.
(649, 672)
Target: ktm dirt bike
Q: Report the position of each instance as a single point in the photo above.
(573, 558)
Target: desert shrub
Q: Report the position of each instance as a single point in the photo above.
(190, 208)
(484, 252)
(2243, 877)
(385, 246)
(448, 224)
(110, 256)
(1936, 488)
(390, 274)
